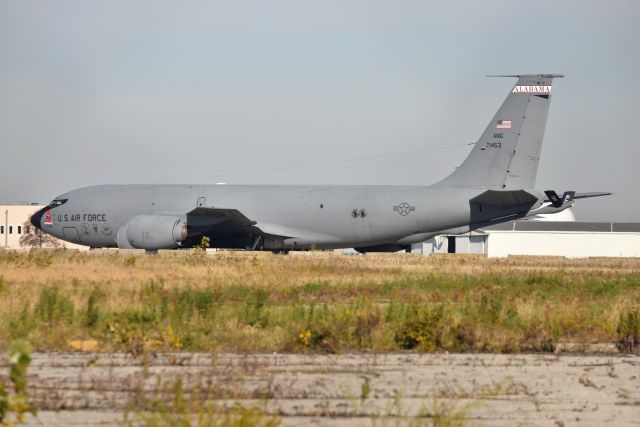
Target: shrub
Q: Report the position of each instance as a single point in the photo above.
(53, 307)
(423, 329)
(92, 315)
(129, 261)
(254, 313)
(21, 324)
(629, 331)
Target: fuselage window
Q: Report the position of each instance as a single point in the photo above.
(58, 202)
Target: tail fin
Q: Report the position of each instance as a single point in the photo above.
(507, 153)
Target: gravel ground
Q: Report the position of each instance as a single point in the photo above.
(93, 389)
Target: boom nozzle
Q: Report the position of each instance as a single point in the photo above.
(550, 76)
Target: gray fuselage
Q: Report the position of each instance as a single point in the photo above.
(305, 216)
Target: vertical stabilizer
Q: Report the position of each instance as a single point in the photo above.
(506, 155)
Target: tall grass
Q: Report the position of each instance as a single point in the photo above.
(317, 302)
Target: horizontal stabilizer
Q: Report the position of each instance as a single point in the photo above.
(568, 196)
(592, 194)
(505, 198)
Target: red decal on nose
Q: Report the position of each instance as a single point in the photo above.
(48, 219)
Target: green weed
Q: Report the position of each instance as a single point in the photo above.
(629, 331)
(254, 310)
(437, 412)
(422, 329)
(93, 314)
(129, 261)
(15, 406)
(53, 307)
(178, 408)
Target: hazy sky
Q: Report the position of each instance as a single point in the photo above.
(95, 92)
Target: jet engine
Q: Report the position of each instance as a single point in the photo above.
(152, 232)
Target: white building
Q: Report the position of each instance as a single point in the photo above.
(12, 225)
(545, 238)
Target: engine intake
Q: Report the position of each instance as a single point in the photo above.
(152, 232)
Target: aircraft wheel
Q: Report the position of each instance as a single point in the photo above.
(280, 251)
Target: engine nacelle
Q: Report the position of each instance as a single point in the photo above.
(152, 232)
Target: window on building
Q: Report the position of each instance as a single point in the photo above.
(11, 229)
(19, 229)
(451, 244)
(1, 229)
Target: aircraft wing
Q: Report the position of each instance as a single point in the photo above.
(219, 220)
(229, 221)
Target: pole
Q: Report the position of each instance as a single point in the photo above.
(6, 228)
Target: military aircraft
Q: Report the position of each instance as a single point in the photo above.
(495, 183)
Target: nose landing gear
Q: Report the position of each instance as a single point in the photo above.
(280, 251)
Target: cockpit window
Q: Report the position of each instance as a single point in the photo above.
(57, 202)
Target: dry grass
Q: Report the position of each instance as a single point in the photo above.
(316, 301)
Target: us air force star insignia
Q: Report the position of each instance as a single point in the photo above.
(404, 208)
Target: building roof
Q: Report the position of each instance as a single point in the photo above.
(603, 227)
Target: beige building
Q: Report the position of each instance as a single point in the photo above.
(12, 225)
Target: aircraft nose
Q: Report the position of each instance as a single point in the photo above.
(37, 217)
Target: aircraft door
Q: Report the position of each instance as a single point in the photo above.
(71, 233)
(451, 244)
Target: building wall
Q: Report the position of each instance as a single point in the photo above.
(465, 244)
(566, 244)
(435, 245)
(12, 219)
(474, 244)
